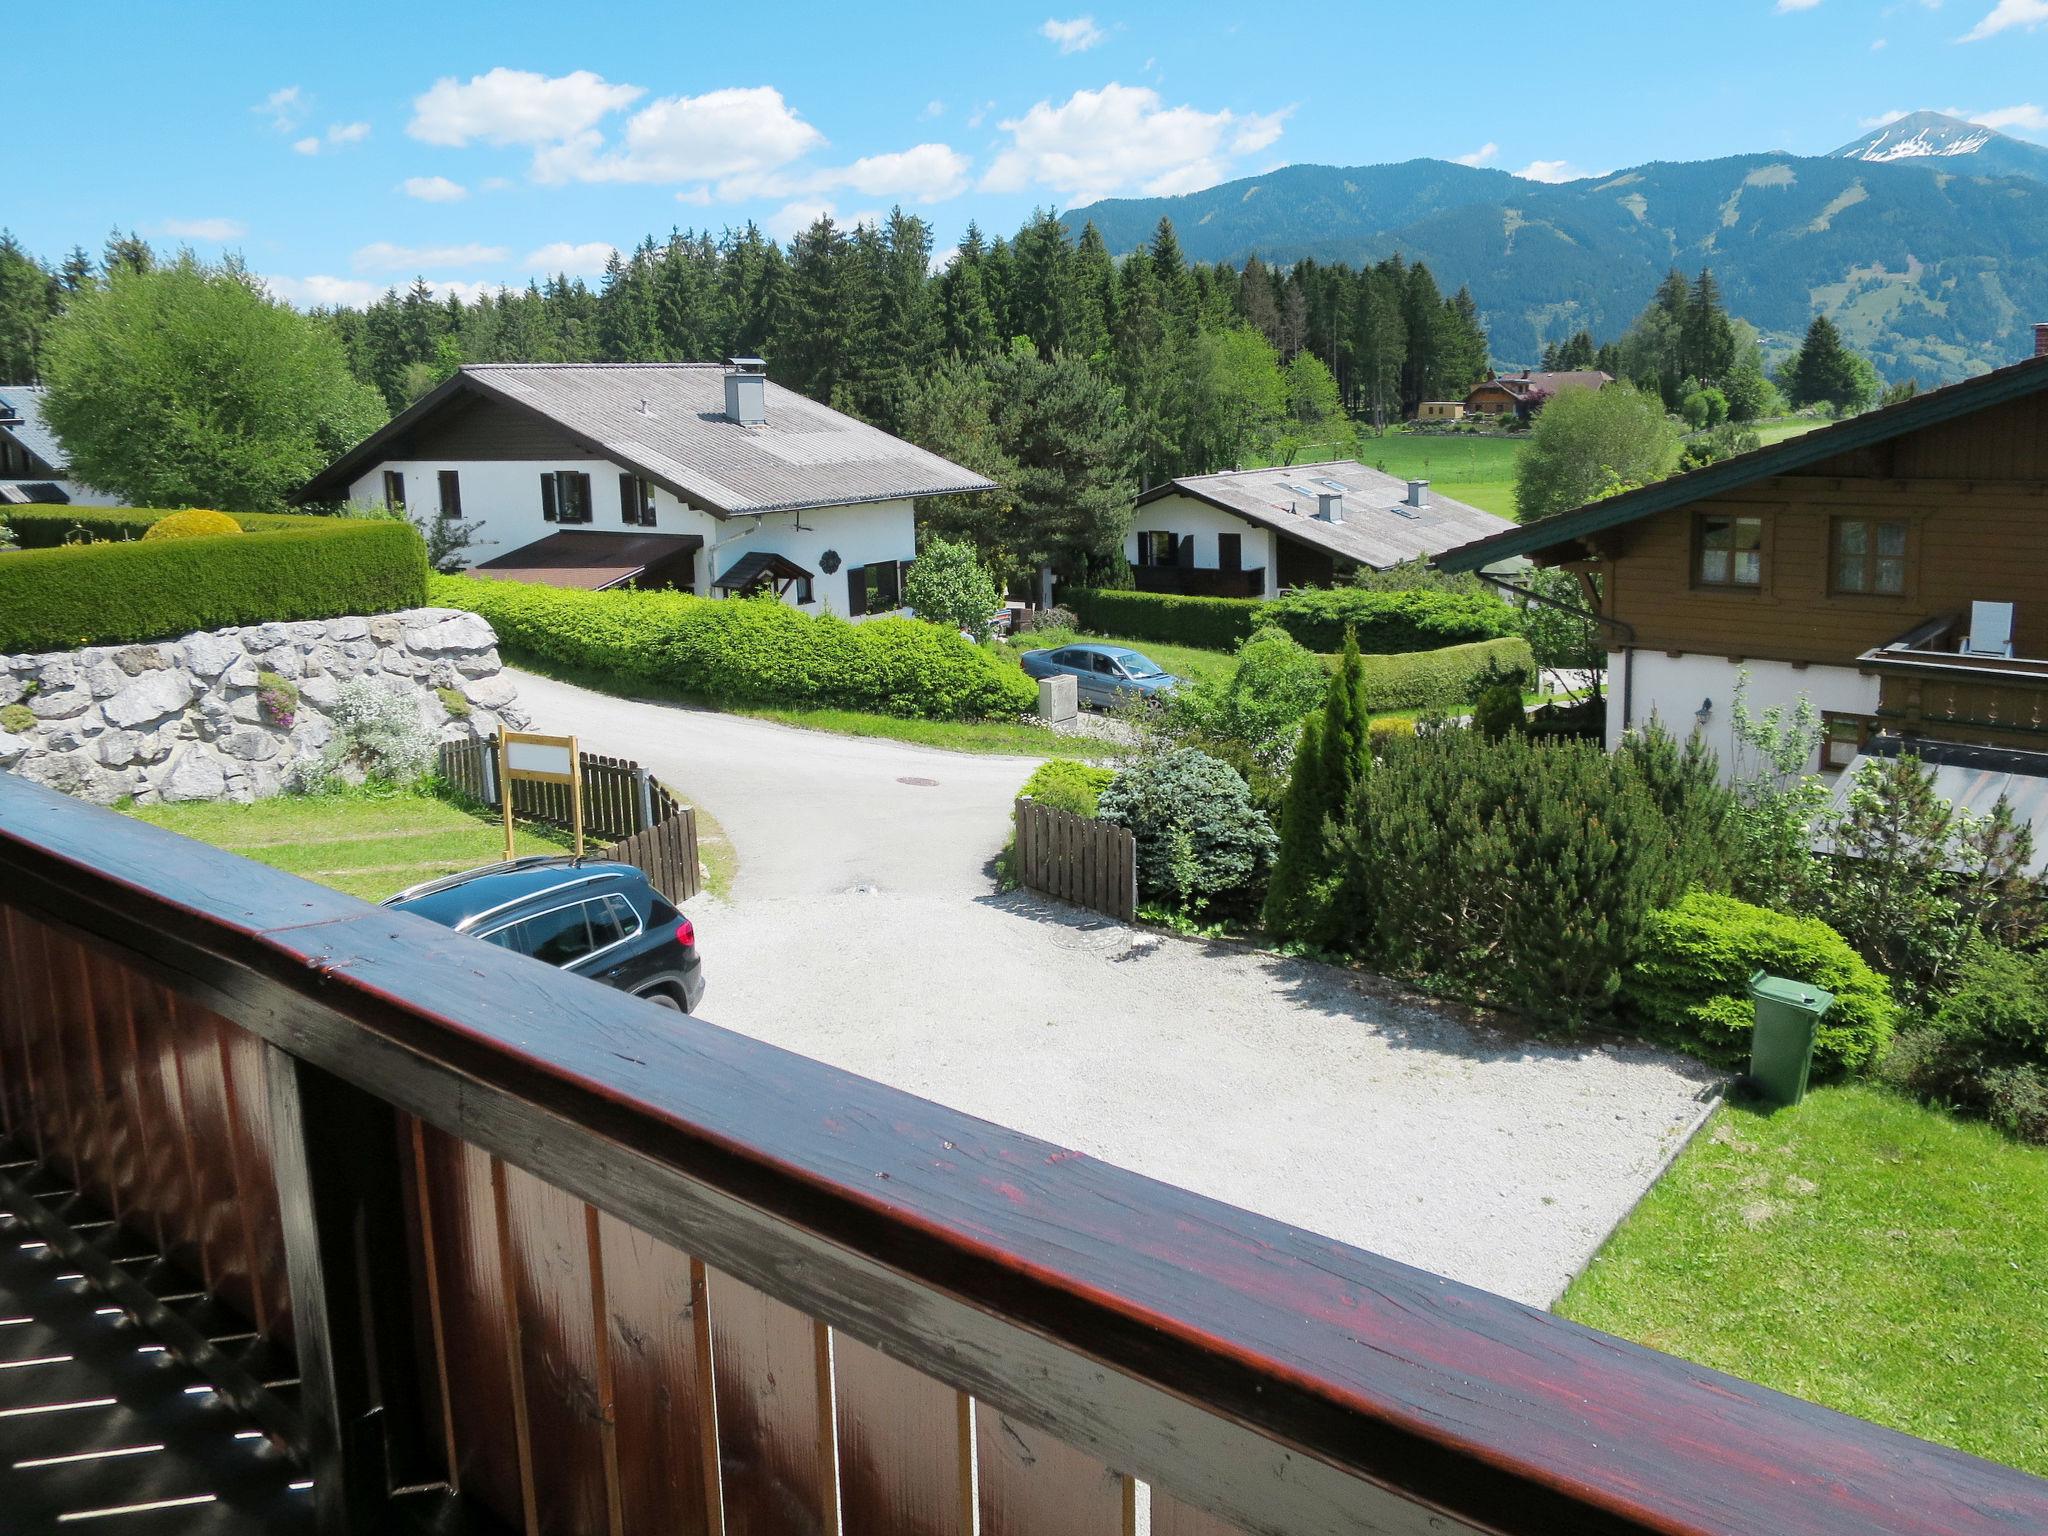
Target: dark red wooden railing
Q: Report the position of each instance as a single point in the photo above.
(552, 1258)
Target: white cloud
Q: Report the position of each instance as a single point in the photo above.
(933, 108)
(306, 292)
(1099, 142)
(515, 106)
(383, 256)
(1479, 156)
(285, 107)
(792, 219)
(204, 229)
(1878, 45)
(980, 114)
(2026, 117)
(1796, 5)
(2027, 14)
(338, 136)
(1554, 171)
(561, 256)
(495, 183)
(433, 189)
(469, 293)
(734, 132)
(929, 173)
(1076, 36)
(307, 146)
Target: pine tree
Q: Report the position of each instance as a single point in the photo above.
(26, 308)
(967, 322)
(1707, 340)
(1093, 315)
(1177, 298)
(1823, 372)
(1302, 900)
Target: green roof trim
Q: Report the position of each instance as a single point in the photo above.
(1931, 409)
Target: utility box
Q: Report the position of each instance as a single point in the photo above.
(1788, 1015)
(1059, 699)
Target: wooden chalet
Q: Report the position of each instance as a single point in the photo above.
(322, 1217)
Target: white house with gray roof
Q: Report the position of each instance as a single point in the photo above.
(701, 477)
(34, 469)
(1253, 532)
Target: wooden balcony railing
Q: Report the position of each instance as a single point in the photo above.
(555, 1261)
(1929, 687)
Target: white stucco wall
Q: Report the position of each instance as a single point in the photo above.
(504, 496)
(1673, 687)
(1197, 519)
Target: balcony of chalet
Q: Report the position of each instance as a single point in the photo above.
(1198, 581)
(1955, 678)
(321, 1217)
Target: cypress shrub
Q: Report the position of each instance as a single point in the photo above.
(1303, 896)
(749, 651)
(94, 594)
(1689, 982)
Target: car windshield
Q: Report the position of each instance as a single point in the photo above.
(1136, 664)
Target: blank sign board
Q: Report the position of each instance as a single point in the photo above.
(540, 757)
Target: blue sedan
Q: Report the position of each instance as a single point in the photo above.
(1103, 674)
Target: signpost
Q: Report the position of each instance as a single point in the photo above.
(540, 760)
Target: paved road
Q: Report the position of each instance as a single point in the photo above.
(864, 930)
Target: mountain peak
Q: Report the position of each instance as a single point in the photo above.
(1922, 136)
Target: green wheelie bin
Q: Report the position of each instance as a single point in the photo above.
(1788, 1013)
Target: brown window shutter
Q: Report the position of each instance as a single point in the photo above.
(629, 499)
(856, 589)
(547, 498)
(451, 493)
(890, 586)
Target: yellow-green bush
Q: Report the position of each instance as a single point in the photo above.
(746, 651)
(94, 594)
(193, 523)
(1068, 785)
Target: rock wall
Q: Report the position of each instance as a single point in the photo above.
(185, 720)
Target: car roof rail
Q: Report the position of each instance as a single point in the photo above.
(464, 876)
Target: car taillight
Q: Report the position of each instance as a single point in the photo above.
(686, 934)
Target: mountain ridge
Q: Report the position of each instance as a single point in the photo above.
(1928, 269)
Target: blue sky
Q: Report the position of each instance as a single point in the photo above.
(342, 149)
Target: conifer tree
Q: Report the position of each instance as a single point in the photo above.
(1330, 762)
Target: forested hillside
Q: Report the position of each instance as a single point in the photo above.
(1926, 268)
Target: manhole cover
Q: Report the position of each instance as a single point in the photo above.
(921, 783)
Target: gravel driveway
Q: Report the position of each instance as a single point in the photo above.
(864, 930)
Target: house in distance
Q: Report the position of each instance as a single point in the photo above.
(1521, 395)
(1252, 532)
(34, 470)
(698, 477)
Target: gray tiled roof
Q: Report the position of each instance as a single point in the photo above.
(1373, 532)
(804, 455)
(32, 432)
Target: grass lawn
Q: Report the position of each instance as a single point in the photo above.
(1860, 1251)
(372, 844)
(1479, 471)
(1777, 429)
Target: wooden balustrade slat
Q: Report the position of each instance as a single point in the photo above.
(1034, 1484)
(46, 1057)
(246, 1122)
(173, 1198)
(224, 1257)
(906, 1447)
(770, 1365)
(660, 1341)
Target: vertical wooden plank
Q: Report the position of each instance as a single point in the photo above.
(905, 1447)
(143, 1165)
(1170, 1517)
(568, 1392)
(120, 1131)
(16, 1106)
(78, 1051)
(659, 1335)
(224, 1255)
(250, 1130)
(174, 1202)
(460, 1209)
(773, 1397)
(41, 1026)
(1035, 1485)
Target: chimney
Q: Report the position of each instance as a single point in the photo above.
(2041, 341)
(1330, 507)
(1418, 493)
(746, 390)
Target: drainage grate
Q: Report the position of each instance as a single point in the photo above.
(920, 783)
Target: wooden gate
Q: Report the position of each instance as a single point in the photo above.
(640, 816)
(1093, 864)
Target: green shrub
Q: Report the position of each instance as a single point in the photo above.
(949, 585)
(1449, 678)
(1415, 619)
(1333, 755)
(1202, 845)
(16, 718)
(46, 527)
(59, 599)
(1498, 711)
(1985, 1051)
(749, 651)
(1068, 785)
(1690, 981)
(1256, 715)
(1519, 871)
(194, 523)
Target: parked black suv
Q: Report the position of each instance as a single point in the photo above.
(599, 920)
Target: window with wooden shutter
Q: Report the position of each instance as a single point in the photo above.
(572, 496)
(547, 499)
(451, 493)
(394, 490)
(629, 499)
(1230, 551)
(856, 589)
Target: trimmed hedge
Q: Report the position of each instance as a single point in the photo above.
(749, 652)
(95, 594)
(1387, 623)
(45, 527)
(1449, 678)
(1690, 981)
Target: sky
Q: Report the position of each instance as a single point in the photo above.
(344, 149)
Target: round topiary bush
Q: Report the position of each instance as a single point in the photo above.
(194, 523)
(1202, 844)
(1690, 981)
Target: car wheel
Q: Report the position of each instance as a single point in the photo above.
(663, 1000)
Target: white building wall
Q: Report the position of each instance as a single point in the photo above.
(505, 497)
(1672, 688)
(1197, 519)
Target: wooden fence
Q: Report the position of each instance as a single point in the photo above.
(1093, 864)
(638, 818)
